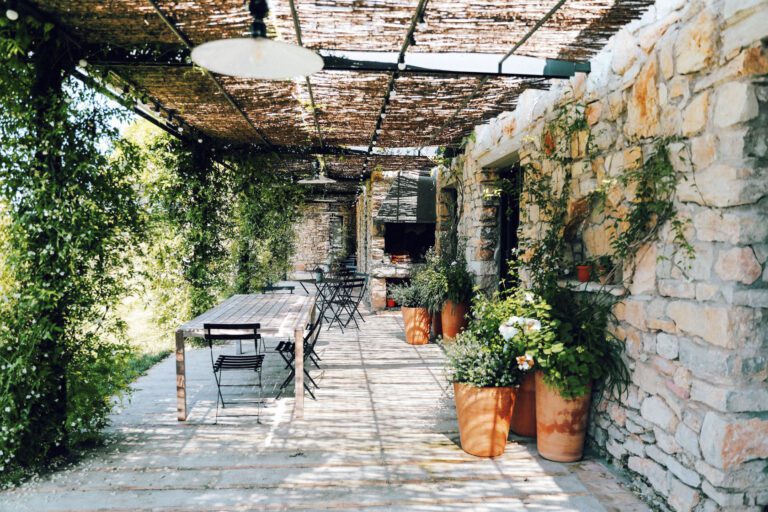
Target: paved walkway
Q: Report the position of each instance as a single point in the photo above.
(382, 435)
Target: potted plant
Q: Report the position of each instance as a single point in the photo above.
(580, 354)
(432, 279)
(488, 362)
(522, 314)
(583, 271)
(458, 285)
(413, 302)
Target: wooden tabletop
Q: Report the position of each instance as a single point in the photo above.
(278, 314)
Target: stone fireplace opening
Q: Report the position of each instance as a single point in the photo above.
(407, 243)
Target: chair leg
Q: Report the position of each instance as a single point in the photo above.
(311, 379)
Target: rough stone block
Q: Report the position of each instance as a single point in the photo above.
(695, 45)
(729, 441)
(677, 289)
(721, 326)
(738, 264)
(686, 475)
(723, 185)
(703, 150)
(688, 440)
(728, 500)
(643, 106)
(653, 472)
(695, 114)
(665, 441)
(736, 103)
(708, 362)
(667, 346)
(749, 29)
(656, 410)
(681, 497)
(644, 278)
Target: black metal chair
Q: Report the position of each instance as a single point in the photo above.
(345, 303)
(226, 362)
(287, 350)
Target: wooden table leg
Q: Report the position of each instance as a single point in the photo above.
(181, 378)
(298, 407)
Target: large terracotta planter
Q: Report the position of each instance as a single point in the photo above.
(484, 416)
(416, 325)
(524, 413)
(453, 318)
(561, 424)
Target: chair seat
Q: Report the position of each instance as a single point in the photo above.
(228, 362)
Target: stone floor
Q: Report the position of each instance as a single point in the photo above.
(382, 435)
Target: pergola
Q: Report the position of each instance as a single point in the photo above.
(363, 111)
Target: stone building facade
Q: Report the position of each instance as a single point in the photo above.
(692, 430)
(324, 232)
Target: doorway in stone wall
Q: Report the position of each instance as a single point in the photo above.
(509, 222)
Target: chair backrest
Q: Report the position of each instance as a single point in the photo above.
(310, 338)
(230, 332)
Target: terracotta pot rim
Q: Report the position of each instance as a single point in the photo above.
(485, 387)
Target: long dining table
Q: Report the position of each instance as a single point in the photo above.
(280, 315)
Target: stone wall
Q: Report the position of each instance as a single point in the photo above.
(314, 238)
(693, 429)
(370, 249)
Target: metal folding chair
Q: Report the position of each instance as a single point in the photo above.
(287, 350)
(225, 362)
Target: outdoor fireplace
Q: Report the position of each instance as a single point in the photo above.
(407, 243)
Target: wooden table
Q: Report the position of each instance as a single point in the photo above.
(279, 315)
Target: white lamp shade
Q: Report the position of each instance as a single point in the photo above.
(257, 57)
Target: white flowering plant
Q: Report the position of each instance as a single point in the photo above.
(493, 351)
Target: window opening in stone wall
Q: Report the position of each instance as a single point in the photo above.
(509, 222)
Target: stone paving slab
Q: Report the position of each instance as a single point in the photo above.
(382, 435)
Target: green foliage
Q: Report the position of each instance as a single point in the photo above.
(69, 190)
(492, 351)
(268, 204)
(432, 280)
(411, 295)
(582, 350)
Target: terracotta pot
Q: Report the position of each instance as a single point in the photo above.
(524, 413)
(561, 424)
(484, 415)
(416, 325)
(453, 318)
(583, 273)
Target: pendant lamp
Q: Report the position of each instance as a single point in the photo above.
(319, 177)
(257, 56)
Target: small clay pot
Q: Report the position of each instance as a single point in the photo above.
(453, 318)
(484, 416)
(561, 424)
(583, 273)
(417, 323)
(524, 412)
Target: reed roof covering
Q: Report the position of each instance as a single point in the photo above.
(347, 103)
